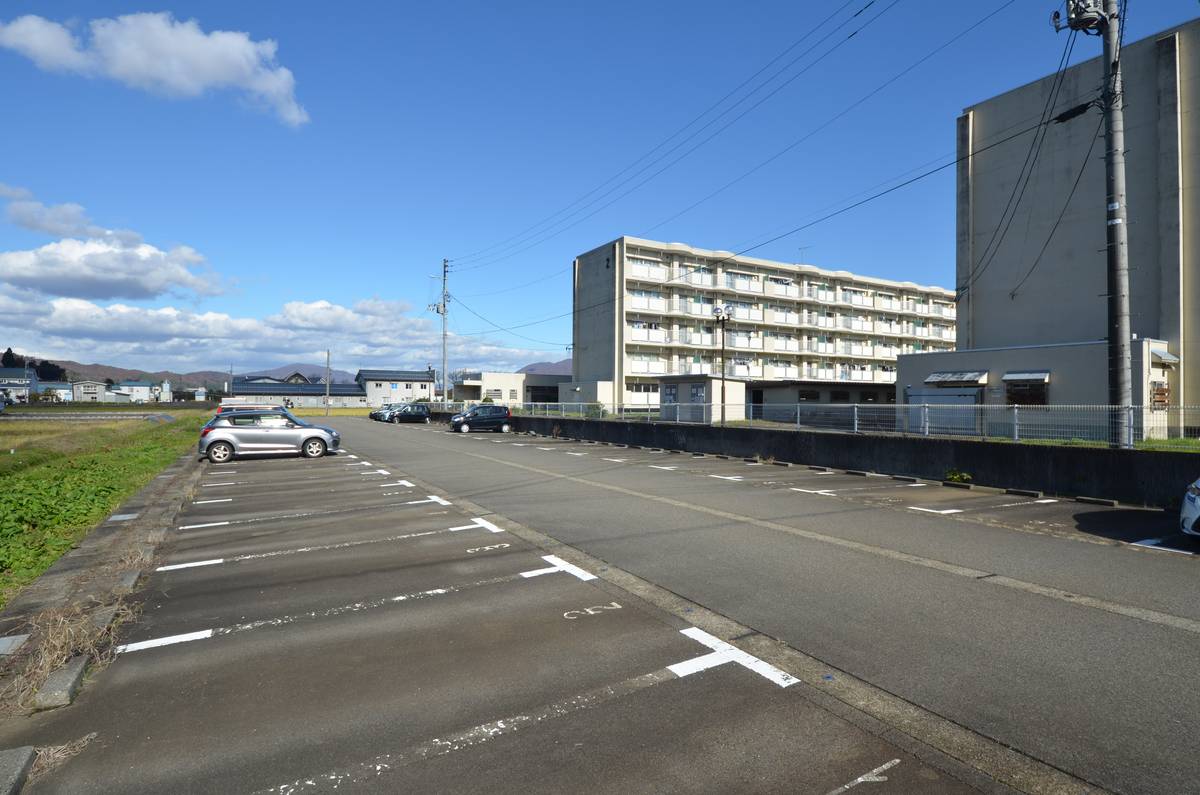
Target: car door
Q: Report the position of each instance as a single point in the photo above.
(279, 433)
(492, 417)
(247, 435)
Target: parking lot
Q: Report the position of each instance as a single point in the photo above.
(1003, 613)
(341, 623)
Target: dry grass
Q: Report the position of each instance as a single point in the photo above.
(51, 756)
(60, 435)
(55, 636)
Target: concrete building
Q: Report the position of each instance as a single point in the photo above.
(1025, 313)
(507, 387)
(644, 309)
(17, 384)
(139, 391)
(395, 386)
(88, 391)
(301, 395)
(697, 398)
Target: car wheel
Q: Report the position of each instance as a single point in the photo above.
(426, 420)
(505, 428)
(396, 419)
(220, 452)
(464, 428)
(313, 448)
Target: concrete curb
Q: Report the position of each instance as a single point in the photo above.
(62, 685)
(1037, 495)
(954, 484)
(1097, 501)
(906, 478)
(15, 764)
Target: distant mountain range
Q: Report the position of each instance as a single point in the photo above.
(217, 378)
(548, 368)
(208, 378)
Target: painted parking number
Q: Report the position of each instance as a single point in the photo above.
(473, 550)
(571, 615)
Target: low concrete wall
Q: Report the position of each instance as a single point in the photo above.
(1136, 477)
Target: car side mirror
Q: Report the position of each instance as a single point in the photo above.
(289, 425)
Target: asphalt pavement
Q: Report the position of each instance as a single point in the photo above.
(371, 621)
(1068, 632)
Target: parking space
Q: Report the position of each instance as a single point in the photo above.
(337, 624)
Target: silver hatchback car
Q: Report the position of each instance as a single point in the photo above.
(263, 433)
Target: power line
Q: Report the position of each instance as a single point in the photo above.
(1023, 176)
(669, 138)
(831, 120)
(522, 247)
(1078, 177)
(802, 227)
(500, 328)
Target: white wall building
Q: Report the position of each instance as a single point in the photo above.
(508, 387)
(644, 309)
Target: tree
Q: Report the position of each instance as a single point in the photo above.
(10, 359)
(49, 371)
(109, 381)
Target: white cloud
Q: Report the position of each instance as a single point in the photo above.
(158, 53)
(93, 262)
(371, 333)
(105, 269)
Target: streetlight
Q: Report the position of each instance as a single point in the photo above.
(722, 314)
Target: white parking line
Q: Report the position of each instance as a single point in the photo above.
(476, 524)
(615, 460)
(822, 492)
(724, 652)
(359, 464)
(656, 466)
(352, 456)
(230, 483)
(873, 777)
(376, 472)
(404, 483)
(207, 502)
(558, 564)
(735, 478)
(206, 524)
(332, 612)
(430, 498)
(570, 453)
(1156, 544)
(931, 510)
(545, 448)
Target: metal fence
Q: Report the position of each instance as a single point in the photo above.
(1163, 427)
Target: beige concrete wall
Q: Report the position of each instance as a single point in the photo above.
(1063, 300)
(588, 392)
(596, 305)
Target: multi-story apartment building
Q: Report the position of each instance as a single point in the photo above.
(644, 309)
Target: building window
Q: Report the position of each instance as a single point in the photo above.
(424, 386)
(378, 385)
(395, 385)
(495, 394)
(1025, 393)
(697, 393)
(670, 393)
(512, 394)
(808, 396)
(839, 396)
(408, 387)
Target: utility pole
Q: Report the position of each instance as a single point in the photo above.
(326, 382)
(443, 310)
(1101, 17)
(722, 314)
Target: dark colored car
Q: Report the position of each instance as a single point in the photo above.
(410, 412)
(382, 412)
(483, 418)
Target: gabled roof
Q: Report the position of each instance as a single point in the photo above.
(135, 383)
(394, 375)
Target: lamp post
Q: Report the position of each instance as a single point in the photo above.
(722, 314)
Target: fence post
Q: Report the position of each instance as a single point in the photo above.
(797, 416)
(1016, 423)
(924, 419)
(856, 418)
(1129, 423)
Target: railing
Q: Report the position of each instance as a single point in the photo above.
(1166, 428)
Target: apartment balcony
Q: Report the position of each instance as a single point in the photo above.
(857, 299)
(945, 311)
(857, 324)
(886, 352)
(744, 343)
(781, 344)
(848, 349)
(649, 304)
(743, 285)
(888, 304)
(734, 370)
(786, 318)
(820, 373)
(820, 321)
(691, 368)
(745, 313)
(791, 372)
(692, 338)
(918, 331)
(821, 347)
(646, 335)
(642, 367)
(825, 296)
(785, 290)
(697, 278)
(894, 329)
(649, 273)
(943, 334)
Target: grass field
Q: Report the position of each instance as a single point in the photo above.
(60, 478)
(138, 408)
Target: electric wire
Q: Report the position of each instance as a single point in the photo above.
(1078, 177)
(500, 328)
(526, 245)
(794, 230)
(669, 138)
(1000, 231)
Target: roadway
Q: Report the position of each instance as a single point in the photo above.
(364, 622)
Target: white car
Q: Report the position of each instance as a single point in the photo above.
(1190, 511)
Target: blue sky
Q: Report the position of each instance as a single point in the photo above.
(175, 197)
